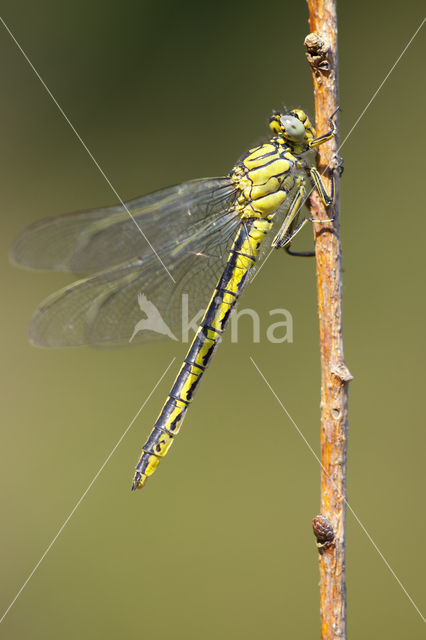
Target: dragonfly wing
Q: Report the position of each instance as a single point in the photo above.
(138, 301)
(90, 241)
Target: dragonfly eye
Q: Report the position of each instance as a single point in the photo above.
(293, 127)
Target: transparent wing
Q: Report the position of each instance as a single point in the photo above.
(90, 241)
(137, 301)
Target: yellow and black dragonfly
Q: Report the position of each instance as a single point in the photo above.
(201, 239)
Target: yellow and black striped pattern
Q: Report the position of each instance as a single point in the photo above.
(265, 178)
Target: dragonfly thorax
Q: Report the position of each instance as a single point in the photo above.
(264, 177)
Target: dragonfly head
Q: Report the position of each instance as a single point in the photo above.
(294, 126)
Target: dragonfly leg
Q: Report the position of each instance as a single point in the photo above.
(327, 136)
(320, 186)
(290, 227)
(300, 254)
(315, 174)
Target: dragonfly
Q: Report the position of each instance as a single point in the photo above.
(202, 239)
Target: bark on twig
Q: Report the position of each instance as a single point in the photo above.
(329, 526)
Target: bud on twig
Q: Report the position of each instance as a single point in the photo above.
(323, 532)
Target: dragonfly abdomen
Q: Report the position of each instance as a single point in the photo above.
(242, 257)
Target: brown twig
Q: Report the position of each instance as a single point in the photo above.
(329, 527)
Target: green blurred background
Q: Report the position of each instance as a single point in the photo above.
(220, 542)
